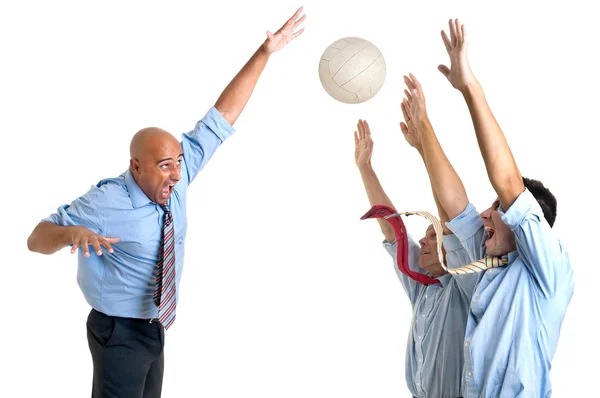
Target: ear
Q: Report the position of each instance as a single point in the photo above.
(134, 164)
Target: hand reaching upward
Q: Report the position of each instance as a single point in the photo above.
(459, 74)
(285, 34)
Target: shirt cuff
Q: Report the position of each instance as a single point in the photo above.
(523, 206)
(451, 243)
(467, 223)
(217, 123)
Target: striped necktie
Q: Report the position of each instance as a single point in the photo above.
(393, 218)
(164, 290)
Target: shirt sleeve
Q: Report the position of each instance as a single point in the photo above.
(411, 286)
(200, 144)
(537, 244)
(81, 212)
(468, 228)
(457, 256)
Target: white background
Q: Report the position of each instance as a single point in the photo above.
(286, 293)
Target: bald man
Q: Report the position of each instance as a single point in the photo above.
(135, 225)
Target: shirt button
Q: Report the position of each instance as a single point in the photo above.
(466, 344)
(477, 295)
(420, 337)
(470, 374)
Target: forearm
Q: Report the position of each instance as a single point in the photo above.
(233, 99)
(500, 164)
(377, 196)
(447, 185)
(48, 238)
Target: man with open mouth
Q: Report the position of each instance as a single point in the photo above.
(136, 224)
(434, 354)
(517, 309)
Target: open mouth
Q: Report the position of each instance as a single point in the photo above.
(424, 252)
(490, 233)
(166, 192)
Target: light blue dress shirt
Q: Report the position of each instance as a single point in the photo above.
(122, 284)
(434, 352)
(517, 310)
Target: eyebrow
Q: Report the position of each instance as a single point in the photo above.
(162, 160)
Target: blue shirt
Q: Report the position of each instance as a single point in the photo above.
(434, 352)
(122, 283)
(517, 310)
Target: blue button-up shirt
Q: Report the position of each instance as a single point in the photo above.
(517, 310)
(434, 352)
(122, 283)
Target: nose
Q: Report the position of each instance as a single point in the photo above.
(485, 214)
(176, 175)
(422, 242)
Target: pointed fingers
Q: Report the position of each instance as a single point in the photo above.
(446, 41)
(409, 83)
(452, 26)
(458, 31)
(298, 22)
(416, 82)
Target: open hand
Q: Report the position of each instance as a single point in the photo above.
(84, 237)
(408, 127)
(459, 74)
(285, 34)
(363, 143)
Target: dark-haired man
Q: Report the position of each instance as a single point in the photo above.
(517, 310)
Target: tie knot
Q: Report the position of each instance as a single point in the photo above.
(165, 207)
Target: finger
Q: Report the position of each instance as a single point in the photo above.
(298, 22)
(444, 69)
(409, 82)
(85, 245)
(75, 246)
(404, 128)
(96, 244)
(294, 17)
(452, 33)
(446, 41)
(407, 94)
(464, 34)
(355, 138)
(298, 33)
(405, 113)
(106, 242)
(416, 83)
(367, 128)
(458, 31)
(269, 35)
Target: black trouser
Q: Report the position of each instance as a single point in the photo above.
(127, 355)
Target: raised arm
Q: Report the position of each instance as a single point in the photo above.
(375, 193)
(448, 188)
(233, 100)
(499, 161)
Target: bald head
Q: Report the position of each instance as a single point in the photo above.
(156, 158)
(150, 140)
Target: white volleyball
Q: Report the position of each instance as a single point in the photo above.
(352, 70)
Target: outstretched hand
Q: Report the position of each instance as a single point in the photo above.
(408, 127)
(285, 34)
(415, 100)
(459, 74)
(363, 144)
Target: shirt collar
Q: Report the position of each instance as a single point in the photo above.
(512, 256)
(138, 197)
(444, 279)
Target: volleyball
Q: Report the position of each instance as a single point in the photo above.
(352, 70)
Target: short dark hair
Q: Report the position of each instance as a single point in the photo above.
(544, 197)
